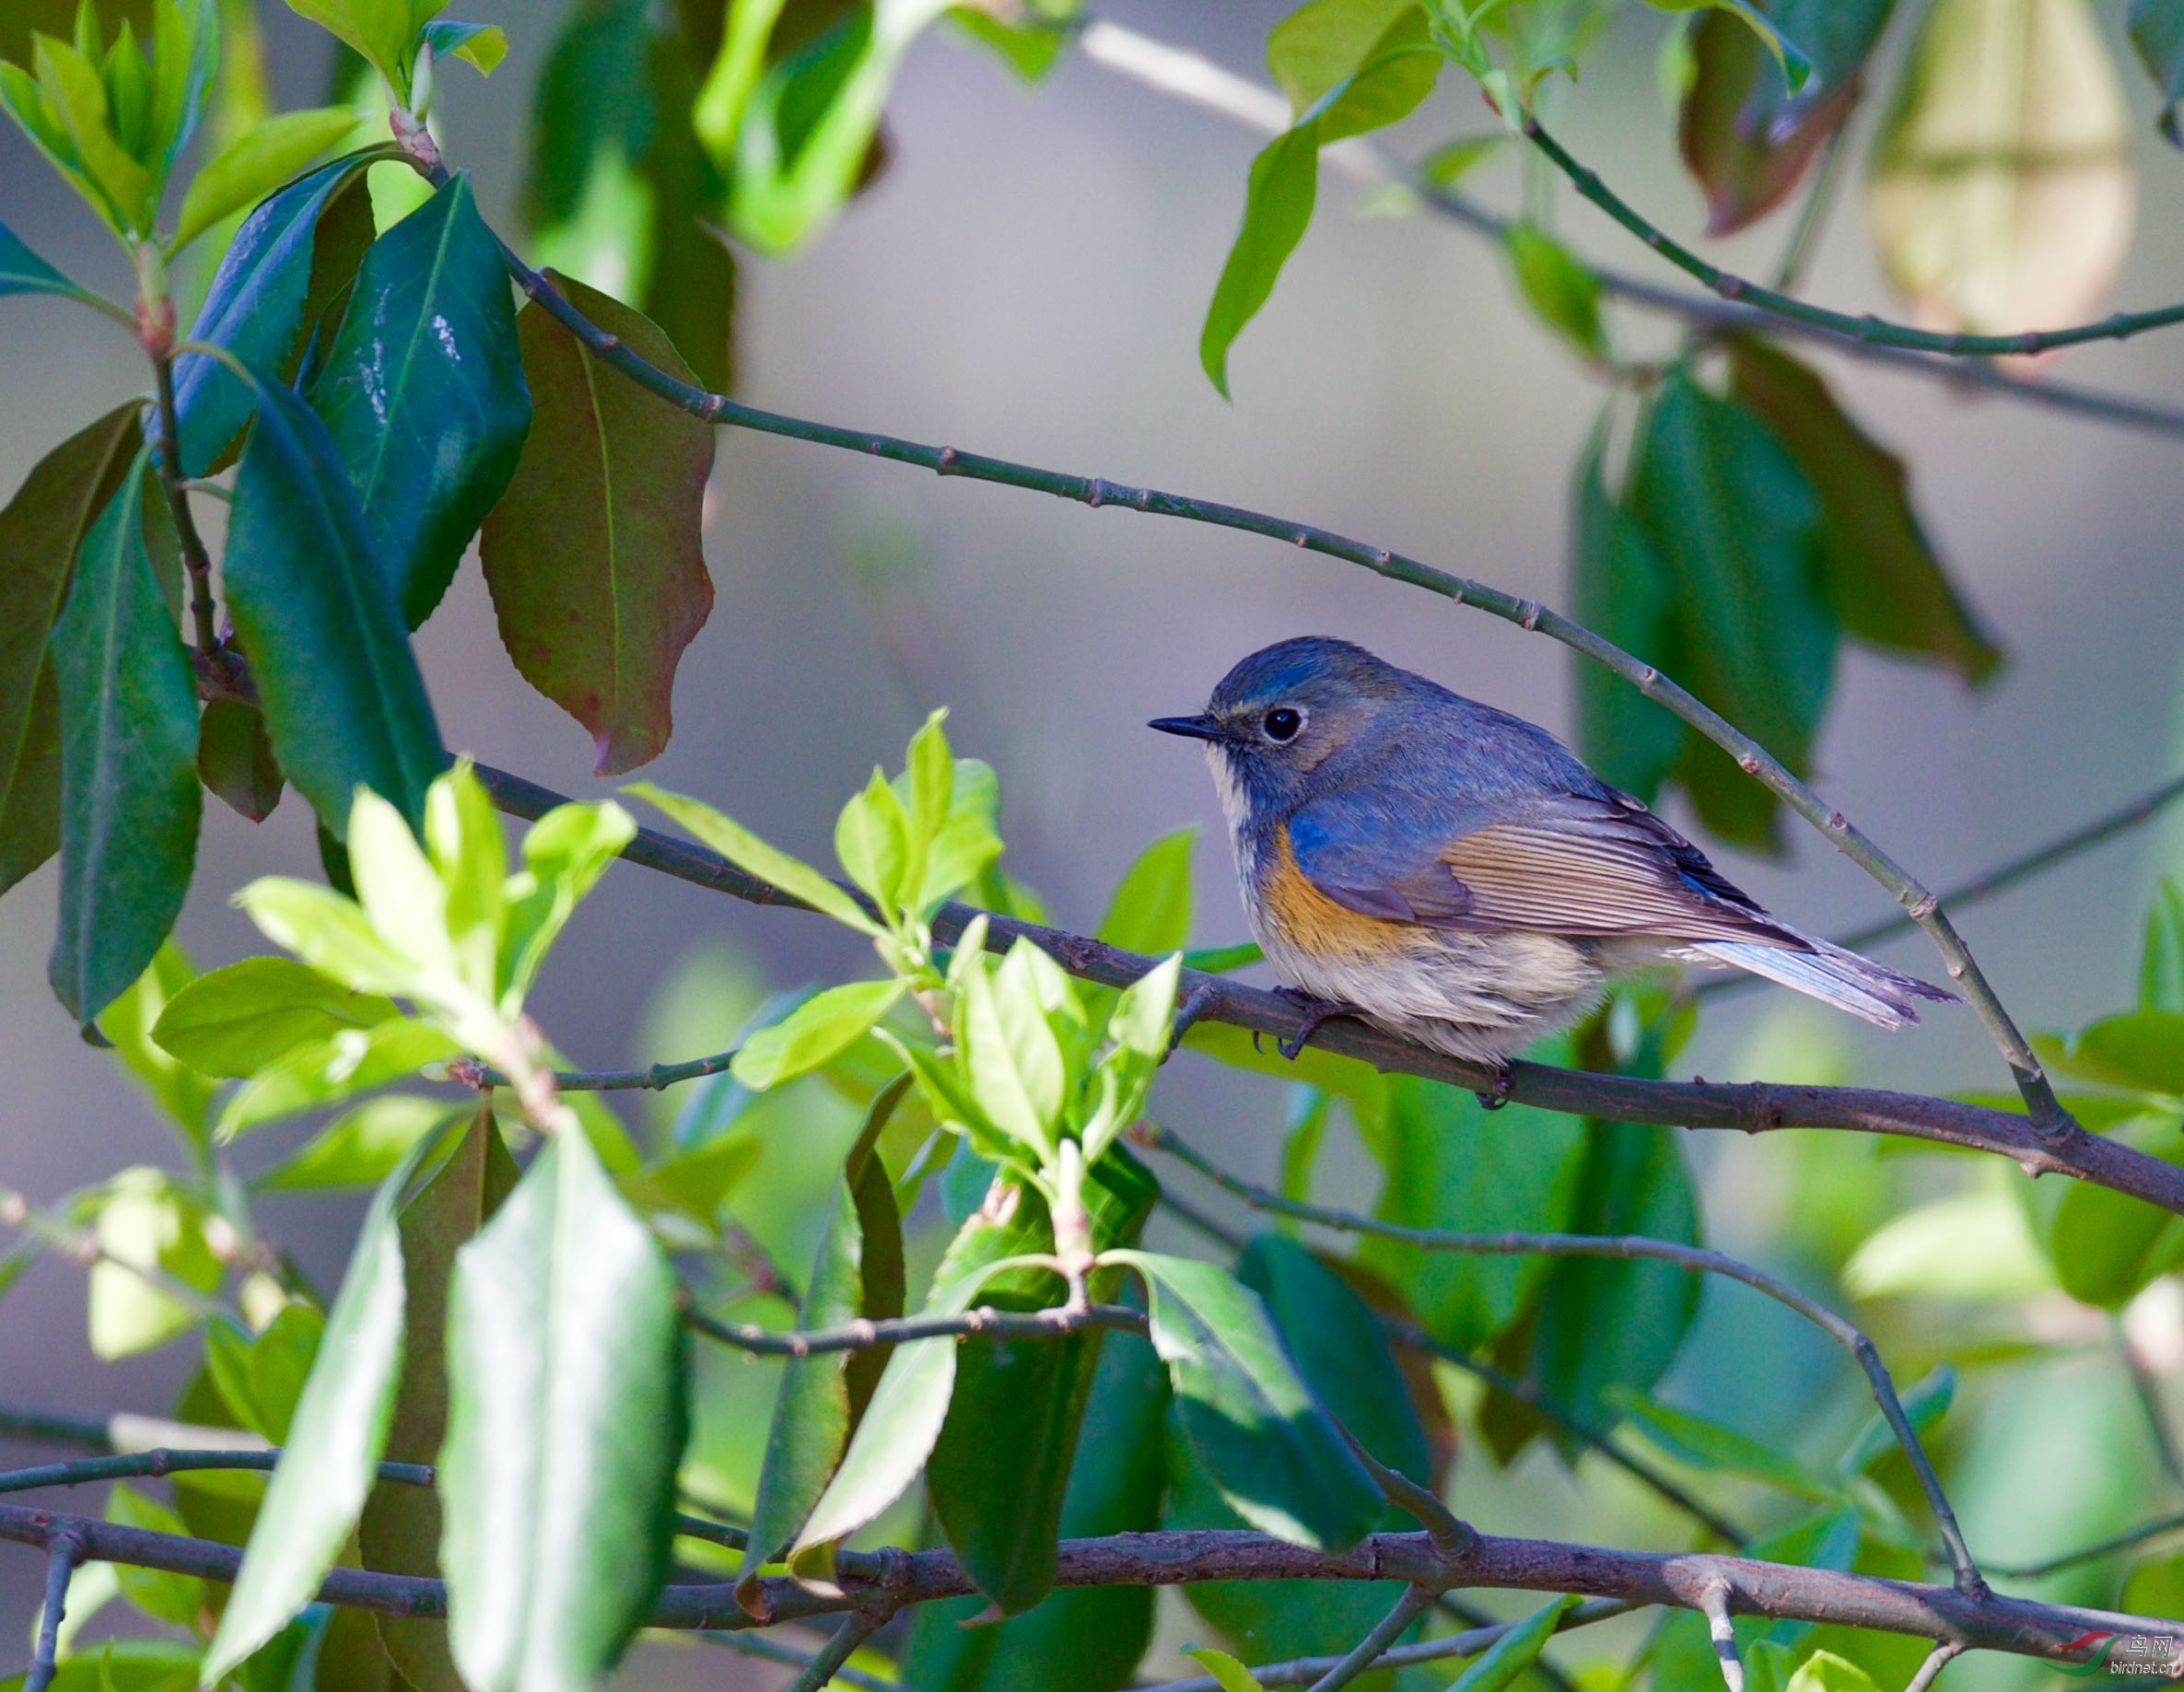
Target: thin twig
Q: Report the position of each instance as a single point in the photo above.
(655, 1078)
(772, 1650)
(61, 1558)
(1874, 330)
(196, 559)
(1844, 1333)
(2128, 1540)
(2050, 1121)
(863, 1335)
(1812, 215)
(1750, 1108)
(827, 1662)
(1721, 1632)
(2148, 1389)
(1944, 1652)
(1192, 78)
(1374, 1645)
(81, 1245)
(2003, 876)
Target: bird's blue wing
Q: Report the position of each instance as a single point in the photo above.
(1571, 864)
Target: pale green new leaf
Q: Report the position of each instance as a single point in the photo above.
(1151, 911)
(1278, 200)
(132, 1022)
(1826, 1672)
(1515, 1651)
(564, 855)
(1231, 1674)
(749, 853)
(328, 931)
(255, 163)
(871, 839)
(817, 1030)
(236, 1020)
(327, 1070)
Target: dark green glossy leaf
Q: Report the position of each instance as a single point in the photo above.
(1745, 136)
(1078, 1638)
(858, 1272)
(1278, 1459)
(334, 1444)
(557, 1475)
(1740, 529)
(129, 795)
(1278, 200)
(235, 759)
(256, 306)
(603, 513)
(1604, 1322)
(315, 610)
(1452, 1166)
(42, 531)
(400, 1530)
(1880, 572)
(23, 271)
(422, 394)
(999, 1471)
(2157, 35)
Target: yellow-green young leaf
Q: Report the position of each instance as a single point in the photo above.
(132, 1023)
(146, 1223)
(235, 1019)
(968, 840)
(325, 1071)
(401, 893)
(754, 856)
(255, 163)
(1151, 911)
(462, 840)
(185, 53)
(1009, 1096)
(871, 839)
(328, 931)
(2161, 959)
(76, 99)
(2002, 194)
(1562, 293)
(824, 1025)
(1395, 74)
(1320, 43)
(177, 1599)
(1515, 1651)
(2106, 1246)
(1231, 1674)
(564, 853)
(379, 29)
(481, 46)
(360, 1145)
(929, 774)
(334, 1438)
(1826, 1672)
(1452, 161)
(1975, 1245)
(1278, 200)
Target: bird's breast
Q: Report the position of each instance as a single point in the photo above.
(1299, 917)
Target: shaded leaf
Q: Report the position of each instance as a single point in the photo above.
(234, 758)
(1709, 1444)
(328, 1070)
(315, 610)
(23, 271)
(1278, 199)
(235, 1019)
(359, 1145)
(2156, 30)
(423, 393)
(129, 795)
(1562, 293)
(1925, 1402)
(2106, 1246)
(557, 1472)
(131, 1025)
(177, 1599)
(592, 554)
(1151, 910)
(1514, 1651)
(1878, 569)
(2161, 959)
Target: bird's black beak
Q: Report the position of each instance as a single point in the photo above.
(1199, 727)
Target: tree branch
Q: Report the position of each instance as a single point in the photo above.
(863, 1335)
(2018, 1625)
(1374, 1645)
(1755, 1107)
(62, 1555)
(771, 1651)
(2129, 1539)
(1192, 78)
(1944, 1652)
(1844, 1333)
(827, 1662)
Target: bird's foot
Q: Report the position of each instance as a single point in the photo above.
(1493, 1098)
(1316, 1010)
(1188, 1009)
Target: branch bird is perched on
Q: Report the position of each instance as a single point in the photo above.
(1455, 874)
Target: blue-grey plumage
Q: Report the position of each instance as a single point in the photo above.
(1457, 874)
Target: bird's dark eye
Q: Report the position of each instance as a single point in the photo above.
(1282, 723)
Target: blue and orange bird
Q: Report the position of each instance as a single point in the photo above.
(1455, 874)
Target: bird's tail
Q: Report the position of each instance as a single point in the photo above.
(1833, 976)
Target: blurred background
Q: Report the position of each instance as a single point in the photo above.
(1027, 277)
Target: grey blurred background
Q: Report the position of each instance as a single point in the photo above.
(1028, 278)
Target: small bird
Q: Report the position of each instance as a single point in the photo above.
(1455, 874)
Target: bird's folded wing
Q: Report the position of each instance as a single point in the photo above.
(1570, 864)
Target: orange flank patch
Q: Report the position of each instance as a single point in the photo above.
(1309, 920)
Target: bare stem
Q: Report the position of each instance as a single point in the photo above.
(1944, 1652)
(827, 1662)
(1374, 1645)
(196, 560)
(863, 1335)
(1714, 1606)
(61, 1558)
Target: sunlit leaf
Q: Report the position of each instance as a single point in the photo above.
(235, 1019)
(815, 1032)
(1151, 909)
(131, 1022)
(145, 1223)
(253, 165)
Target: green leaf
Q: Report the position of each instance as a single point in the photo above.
(969, 839)
(42, 531)
(257, 305)
(78, 99)
(2106, 1246)
(1789, 53)
(999, 1472)
(234, 758)
(1562, 293)
(332, 1452)
(315, 610)
(146, 1222)
(1027, 43)
(557, 1475)
(280, 1366)
(23, 271)
(602, 515)
(2142, 1050)
(359, 1145)
(131, 1023)
(329, 1070)
(177, 1599)
(129, 799)
(1076, 1639)
(564, 853)
(1697, 1439)
(1741, 529)
(754, 856)
(1451, 1165)
(1514, 1651)
(1925, 1402)
(382, 30)
(399, 1529)
(255, 163)
(329, 931)
(1324, 41)
(1278, 199)
(1010, 1057)
(423, 393)
(481, 46)
(857, 1274)
(1388, 84)
(1151, 911)
(1277, 1457)
(873, 841)
(2156, 29)
(1880, 573)
(816, 1030)
(2161, 959)
(1231, 1674)
(1744, 137)
(1826, 1672)
(236, 1020)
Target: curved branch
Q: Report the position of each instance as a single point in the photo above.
(1755, 1107)
(2019, 1626)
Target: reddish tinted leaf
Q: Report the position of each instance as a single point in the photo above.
(592, 554)
(41, 530)
(234, 760)
(1742, 135)
(1879, 571)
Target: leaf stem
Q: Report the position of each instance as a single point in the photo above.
(828, 1660)
(1374, 1645)
(196, 560)
(864, 1333)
